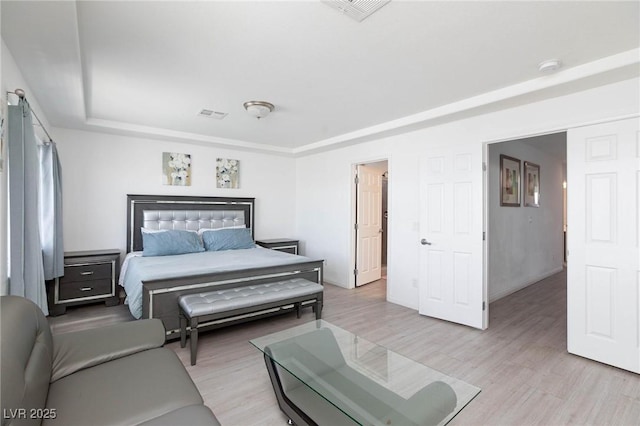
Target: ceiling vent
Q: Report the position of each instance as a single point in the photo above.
(209, 113)
(356, 9)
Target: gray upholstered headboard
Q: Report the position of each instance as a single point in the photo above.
(186, 213)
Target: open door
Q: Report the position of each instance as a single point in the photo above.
(451, 234)
(603, 262)
(368, 225)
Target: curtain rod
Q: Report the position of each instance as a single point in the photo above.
(20, 93)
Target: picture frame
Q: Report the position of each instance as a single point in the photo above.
(510, 173)
(531, 188)
(176, 169)
(227, 173)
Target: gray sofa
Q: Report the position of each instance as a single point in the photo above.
(114, 375)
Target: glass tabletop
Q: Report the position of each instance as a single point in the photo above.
(366, 382)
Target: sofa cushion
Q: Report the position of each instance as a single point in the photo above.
(27, 352)
(126, 391)
(194, 415)
(83, 349)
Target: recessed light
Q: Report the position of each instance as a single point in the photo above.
(549, 66)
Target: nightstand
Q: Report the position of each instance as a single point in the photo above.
(286, 245)
(89, 277)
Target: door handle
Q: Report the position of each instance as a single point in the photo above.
(424, 242)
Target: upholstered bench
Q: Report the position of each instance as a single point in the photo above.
(201, 309)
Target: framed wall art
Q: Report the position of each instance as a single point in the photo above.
(509, 181)
(176, 169)
(531, 184)
(227, 173)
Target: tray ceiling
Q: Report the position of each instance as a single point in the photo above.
(148, 68)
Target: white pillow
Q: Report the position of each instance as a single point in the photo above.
(203, 230)
(154, 231)
(151, 231)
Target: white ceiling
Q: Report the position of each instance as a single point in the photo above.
(147, 68)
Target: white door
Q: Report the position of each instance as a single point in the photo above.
(369, 225)
(451, 272)
(603, 276)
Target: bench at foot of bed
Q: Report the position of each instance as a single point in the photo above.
(199, 308)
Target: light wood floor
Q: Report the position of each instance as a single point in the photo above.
(520, 363)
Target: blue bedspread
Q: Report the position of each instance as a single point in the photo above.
(158, 267)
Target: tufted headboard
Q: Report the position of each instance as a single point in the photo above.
(184, 212)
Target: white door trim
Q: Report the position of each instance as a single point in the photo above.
(565, 128)
(485, 208)
(485, 232)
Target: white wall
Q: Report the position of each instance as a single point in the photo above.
(323, 199)
(525, 243)
(380, 166)
(10, 79)
(99, 170)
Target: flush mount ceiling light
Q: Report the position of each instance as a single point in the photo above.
(259, 109)
(549, 66)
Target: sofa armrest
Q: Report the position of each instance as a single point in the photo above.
(82, 349)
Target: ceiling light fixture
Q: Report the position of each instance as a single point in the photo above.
(259, 109)
(549, 66)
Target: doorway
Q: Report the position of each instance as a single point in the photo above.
(526, 222)
(370, 218)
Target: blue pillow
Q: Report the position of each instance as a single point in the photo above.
(228, 239)
(170, 242)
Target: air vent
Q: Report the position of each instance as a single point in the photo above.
(209, 113)
(356, 9)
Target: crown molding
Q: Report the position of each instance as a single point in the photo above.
(601, 66)
(419, 120)
(167, 134)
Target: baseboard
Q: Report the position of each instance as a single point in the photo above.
(505, 293)
(335, 284)
(388, 299)
(402, 303)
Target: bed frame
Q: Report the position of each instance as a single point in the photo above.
(160, 297)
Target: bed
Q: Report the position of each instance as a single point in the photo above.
(154, 284)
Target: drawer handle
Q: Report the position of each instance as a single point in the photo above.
(86, 288)
(87, 273)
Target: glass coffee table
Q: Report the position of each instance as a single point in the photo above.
(324, 375)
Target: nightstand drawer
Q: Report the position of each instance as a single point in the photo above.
(84, 289)
(286, 245)
(88, 272)
(288, 249)
(89, 277)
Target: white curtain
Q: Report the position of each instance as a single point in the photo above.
(51, 211)
(26, 272)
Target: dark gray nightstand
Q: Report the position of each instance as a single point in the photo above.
(286, 245)
(89, 277)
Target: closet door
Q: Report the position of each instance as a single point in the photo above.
(603, 276)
